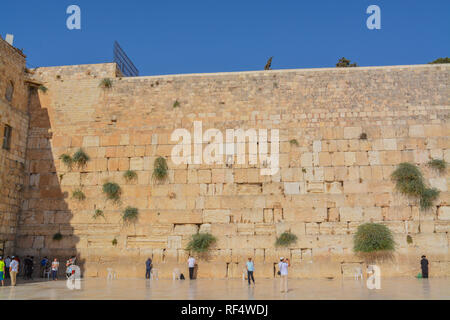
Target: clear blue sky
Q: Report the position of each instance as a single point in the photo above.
(166, 37)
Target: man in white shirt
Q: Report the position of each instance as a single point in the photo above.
(7, 263)
(283, 266)
(13, 270)
(191, 264)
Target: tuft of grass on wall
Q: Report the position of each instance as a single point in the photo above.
(43, 88)
(67, 160)
(201, 242)
(112, 191)
(176, 104)
(78, 195)
(57, 236)
(294, 142)
(160, 169)
(130, 215)
(114, 242)
(98, 213)
(130, 175)
(286, 239)
(439, 165)
(80, 158)
(106, 83)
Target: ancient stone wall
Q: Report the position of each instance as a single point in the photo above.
(331, 179)
(13, 113)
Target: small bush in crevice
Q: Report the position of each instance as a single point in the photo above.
(439, 165)
(114, 242)
(286, 239)
(160, 169)
(409, 239)
(57, 236)
(67, 160)
(294, 142)
(201, 242)
(363, 136)
(80, 158)
(43, 88)
(130, 175)
(112, 191)
(78, 195)
(98, 213)
(176, 104)
(130, 215)
(106, 83)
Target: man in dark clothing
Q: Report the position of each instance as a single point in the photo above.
(148, 268)
(424, 264)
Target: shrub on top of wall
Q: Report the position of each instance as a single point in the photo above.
(57, 236)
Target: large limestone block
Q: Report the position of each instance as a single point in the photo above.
(185, 229)
(444, 213)
(216, 216)
(349, 214)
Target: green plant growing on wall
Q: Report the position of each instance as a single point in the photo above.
(98, 213)
(440, 60)
(114, 242)
(57, 236)
(67, 160)
(286, 239)
(201, 242)
(78, 195)
(409, 181)
(160, 169)
(176, 104)
(363, 136)
(80, 158)
(427, 198)
(130, 215)
(439, 165)
(130, 175)
(106, 83)
(409, 239)
(112, 191)
(43, 88)
(294, 142)
(373, 238)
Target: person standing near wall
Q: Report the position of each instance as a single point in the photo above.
(148, 268)
(7, 263)
(191, 265)
(13, 270)
(250, 270)
(283, 266)
(2, 271)
(424, 265)
(55, 267)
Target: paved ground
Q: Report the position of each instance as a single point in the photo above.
(265, 289)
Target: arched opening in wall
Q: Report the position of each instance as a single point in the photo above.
(9, 91)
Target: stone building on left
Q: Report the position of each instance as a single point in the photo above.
(15, 90)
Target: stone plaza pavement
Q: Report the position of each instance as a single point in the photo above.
(265, 289)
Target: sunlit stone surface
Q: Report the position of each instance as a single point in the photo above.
(140, 289)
